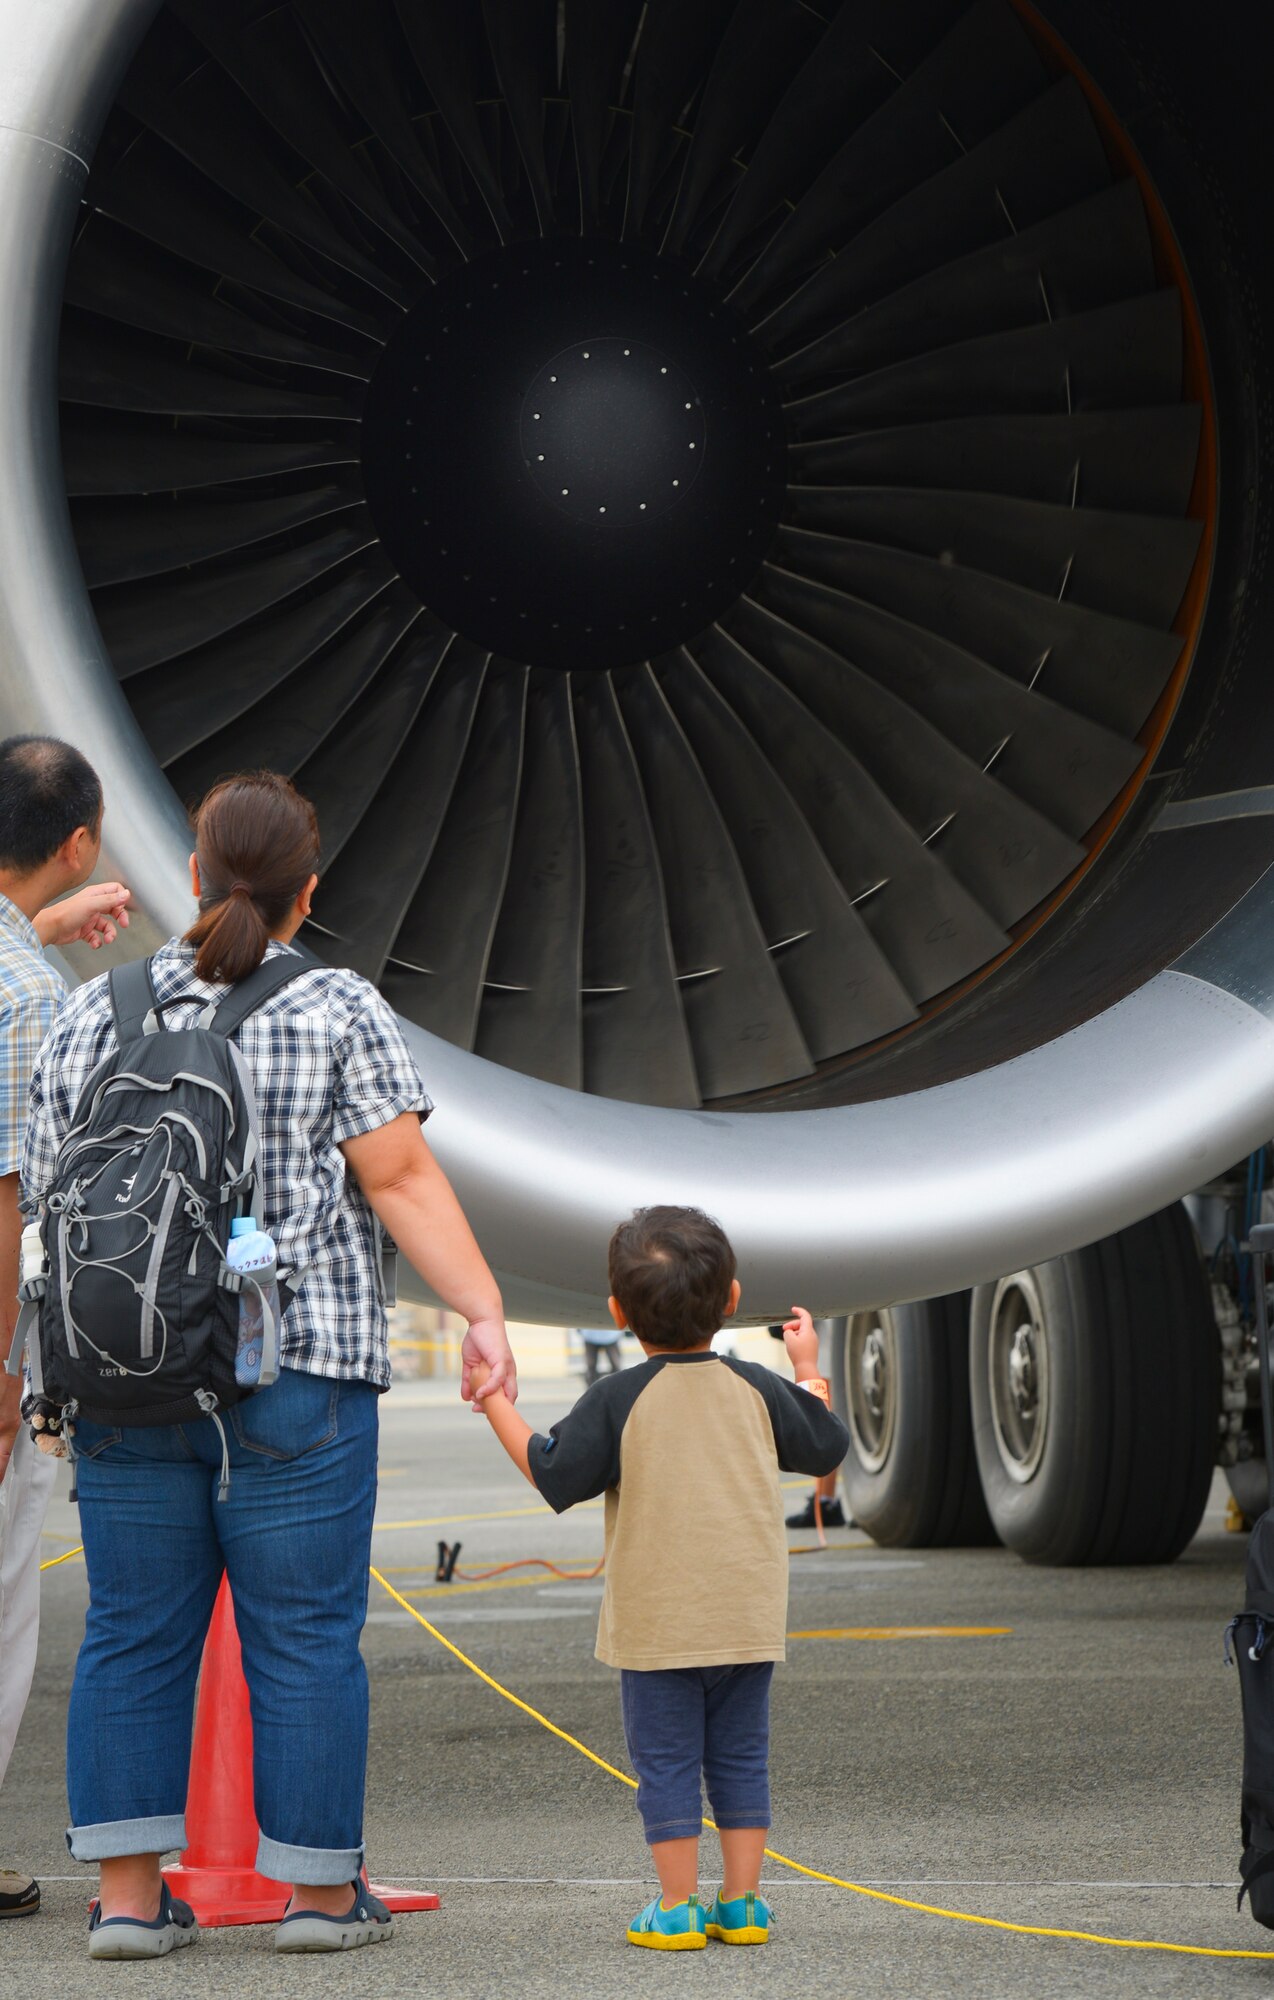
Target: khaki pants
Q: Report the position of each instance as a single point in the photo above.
(24, 1499)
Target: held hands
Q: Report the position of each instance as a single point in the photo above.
(801, 1341)
(486, 1363)
(90, 916)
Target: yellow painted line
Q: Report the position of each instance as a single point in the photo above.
(500, 1514)
(908, 1632)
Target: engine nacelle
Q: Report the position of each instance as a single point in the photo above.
(750, 528)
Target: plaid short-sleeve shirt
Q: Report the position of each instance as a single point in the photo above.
(30, 995)
(328, 1062)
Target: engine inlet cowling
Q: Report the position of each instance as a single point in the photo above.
(889, 756)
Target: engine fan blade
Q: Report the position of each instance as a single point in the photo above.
(982, 72)
(107, 276)
(367, 70)
(1091, 255)
(104, 453)
(121, 540)
(143, 623)
(185, 701)
(764, 45)
(1130, 565)
(676, 40)
(1118, 355)
(1044, 161)
(339, 656)
(599, 38)
(267, 57)
(163, 199)
(636, 1043)
(343, 776)
(203, 119)
(742, 1028)
(838, 981)
(368, 889)
(523, 42)
(1068, 767)
(1109, 669)
(531, 1016)
(434, 32)
(931, 930)
(859, 61)
(1005, 852)
(446, 935)
(1135, 461)
(111, 367)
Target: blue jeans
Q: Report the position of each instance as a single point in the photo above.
(294, 1537)
(684, 1725)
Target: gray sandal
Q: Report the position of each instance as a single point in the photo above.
(133, 1937)
(367, 1921)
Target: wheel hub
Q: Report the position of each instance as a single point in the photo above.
(871, 1388)
(1022, 1374)
(872, 1373)
(573, 454)
(1018, 1376)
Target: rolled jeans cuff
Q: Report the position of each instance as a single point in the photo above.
(165, 1833)
(671, 1829)
(314, 1867)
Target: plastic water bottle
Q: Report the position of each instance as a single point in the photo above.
(250, 1249)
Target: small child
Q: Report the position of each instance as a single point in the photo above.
(687, 1439)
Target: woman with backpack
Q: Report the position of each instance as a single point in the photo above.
(277, 1489)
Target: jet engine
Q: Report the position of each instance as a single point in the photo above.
(748, 519)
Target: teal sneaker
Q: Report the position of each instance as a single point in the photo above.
(743, 1920)
(679, 1929)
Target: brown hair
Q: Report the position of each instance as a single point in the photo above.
(257, 845)
(671, 1270)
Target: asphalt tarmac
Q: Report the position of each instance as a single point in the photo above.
(1078, 1768)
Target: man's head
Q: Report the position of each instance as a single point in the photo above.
(672, 1276)
(50, 813)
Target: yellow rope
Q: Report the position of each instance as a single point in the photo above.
(817, 1874)
(772, 1854)
(53, 1561)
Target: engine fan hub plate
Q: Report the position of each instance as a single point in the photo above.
(573, 453)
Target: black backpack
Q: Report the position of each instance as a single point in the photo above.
(135, 1320)
(1250, 1640)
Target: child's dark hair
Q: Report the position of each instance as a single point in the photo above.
(671, 1270)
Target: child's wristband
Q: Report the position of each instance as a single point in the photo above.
(817, 1385)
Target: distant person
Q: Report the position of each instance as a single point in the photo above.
(601, 1343)
(680, 1442)
(340, 1105)
(50, 839)
(829, 1511)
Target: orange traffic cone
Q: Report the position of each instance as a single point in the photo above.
(217, 1874)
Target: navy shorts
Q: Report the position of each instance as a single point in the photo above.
(689, 1725)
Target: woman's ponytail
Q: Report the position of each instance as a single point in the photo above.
(257, 845)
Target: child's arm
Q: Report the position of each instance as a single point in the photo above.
(800, 1337)
(808, 1435)
(514, 1434)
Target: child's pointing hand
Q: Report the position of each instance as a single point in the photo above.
(801, 1340)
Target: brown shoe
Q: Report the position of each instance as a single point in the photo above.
(19, 1895)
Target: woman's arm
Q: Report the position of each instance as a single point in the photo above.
(414, 1200)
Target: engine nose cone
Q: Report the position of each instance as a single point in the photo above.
(612, 430)
(573, 453)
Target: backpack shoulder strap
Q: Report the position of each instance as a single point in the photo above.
(247, 996)
(133, 1000)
